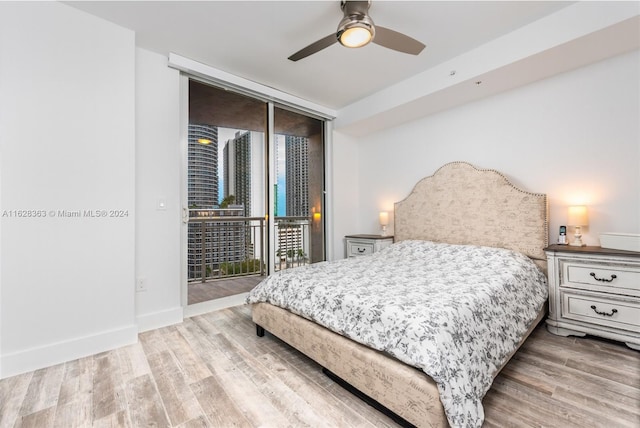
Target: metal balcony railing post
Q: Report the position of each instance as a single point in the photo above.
(262, 242)
(203, 228)
(233, 245)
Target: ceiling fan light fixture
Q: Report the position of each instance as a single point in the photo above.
(355, 37)
(356, 31)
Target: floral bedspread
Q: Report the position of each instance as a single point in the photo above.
(454, 311)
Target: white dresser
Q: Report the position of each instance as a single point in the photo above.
(594, 290)
(361, 245)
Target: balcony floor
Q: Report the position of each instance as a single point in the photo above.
(216, 289)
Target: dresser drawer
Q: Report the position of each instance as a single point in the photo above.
(355, 248)
(620, 314)
(610, 278)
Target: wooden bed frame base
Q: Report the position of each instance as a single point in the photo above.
(370, 401)
(343, 383)
(403, 390)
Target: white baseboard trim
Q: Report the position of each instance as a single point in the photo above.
(215, 305)
(160, 319)
(45, 356)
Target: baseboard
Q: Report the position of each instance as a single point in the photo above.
(49, 355)
(215, 305)
(160, 319)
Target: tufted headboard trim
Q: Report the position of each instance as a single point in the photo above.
(461, 204)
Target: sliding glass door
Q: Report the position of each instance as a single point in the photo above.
(240, 171)
(299, 190)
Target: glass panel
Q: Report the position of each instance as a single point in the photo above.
(299, 189)
(226, 192)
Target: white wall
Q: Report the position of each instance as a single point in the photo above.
(575, 136)
(158, 180)
(345, 191)
(66, 143)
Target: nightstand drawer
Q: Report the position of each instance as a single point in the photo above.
(610, 278)
(363, 245)
(602, 311)
(359, 248)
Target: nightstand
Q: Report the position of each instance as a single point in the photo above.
(594, 290)
(361, 245)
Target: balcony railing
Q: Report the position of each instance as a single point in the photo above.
(222, 244)
(292, 242)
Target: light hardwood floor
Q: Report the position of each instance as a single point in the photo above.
(213, 371)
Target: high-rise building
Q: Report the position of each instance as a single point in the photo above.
(237, 171)
(203, 166)
(279, 187)
(244, 171)
(297, 175)
(244, 178)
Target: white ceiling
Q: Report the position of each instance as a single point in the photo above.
(252, 39)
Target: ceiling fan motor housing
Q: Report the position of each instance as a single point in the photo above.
(355, 17)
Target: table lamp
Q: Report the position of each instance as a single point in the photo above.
(384, 221)
(578, 218)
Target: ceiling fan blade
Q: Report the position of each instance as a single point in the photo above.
(314, 47)
(397, 41)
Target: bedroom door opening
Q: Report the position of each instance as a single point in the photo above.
(255, 192)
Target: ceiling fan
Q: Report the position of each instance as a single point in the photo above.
(357, 29)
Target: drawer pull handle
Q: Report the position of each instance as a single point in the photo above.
(613, 311)
(362, 250)
(593, 274)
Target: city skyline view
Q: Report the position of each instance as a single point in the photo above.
(226, 134)
(226, 161)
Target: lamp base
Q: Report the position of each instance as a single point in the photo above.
(577, 235)
(577, 242)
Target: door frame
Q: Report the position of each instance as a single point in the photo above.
(239, 299)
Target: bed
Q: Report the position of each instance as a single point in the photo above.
(459, 210)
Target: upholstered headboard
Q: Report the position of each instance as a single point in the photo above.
(461, 204)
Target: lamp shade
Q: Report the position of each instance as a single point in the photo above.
(384, 218)
(578, 216)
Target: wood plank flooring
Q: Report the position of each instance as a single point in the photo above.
(213, 371)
